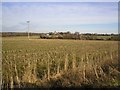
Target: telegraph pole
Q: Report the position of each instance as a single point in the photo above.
(28, 28)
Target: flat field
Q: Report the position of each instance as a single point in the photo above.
(59, 63)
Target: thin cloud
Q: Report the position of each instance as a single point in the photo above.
(46, 16)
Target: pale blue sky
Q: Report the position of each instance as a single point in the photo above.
(94, 17)
(60, 0)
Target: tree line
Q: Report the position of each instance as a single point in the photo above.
(65, 35)
(78, 36)
(11, 34)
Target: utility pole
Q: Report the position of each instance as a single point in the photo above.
(28, 28)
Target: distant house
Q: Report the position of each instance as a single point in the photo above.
(55, 32)
(47, 34)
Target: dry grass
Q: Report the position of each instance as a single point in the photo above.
(59, 63)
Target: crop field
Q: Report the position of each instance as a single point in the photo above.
(59, 63)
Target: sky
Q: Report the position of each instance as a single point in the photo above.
(83, 17)
(60, 0)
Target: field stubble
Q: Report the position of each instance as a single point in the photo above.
(59, 63)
